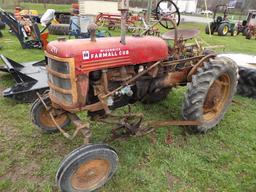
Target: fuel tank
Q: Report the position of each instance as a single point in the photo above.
(109, 52)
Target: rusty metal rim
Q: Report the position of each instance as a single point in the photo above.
(46, 120)
(210, 114)
(90, 174)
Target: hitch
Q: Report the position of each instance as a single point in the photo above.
(30, 78)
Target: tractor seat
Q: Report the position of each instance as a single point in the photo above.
(219, 19)
(185, 34)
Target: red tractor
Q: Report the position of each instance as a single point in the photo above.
(100, 75)
(250, 30)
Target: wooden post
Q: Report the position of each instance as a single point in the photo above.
(207, 16)
(149, 10)
(45, 4)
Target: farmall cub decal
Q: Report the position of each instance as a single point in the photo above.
(105, 54)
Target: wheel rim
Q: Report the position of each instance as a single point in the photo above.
(90, 174)
(225, 30)
(46, 120)
(235, 33)
(216, 98)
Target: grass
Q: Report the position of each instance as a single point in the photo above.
(221, 160)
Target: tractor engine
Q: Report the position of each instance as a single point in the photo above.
(81, 71)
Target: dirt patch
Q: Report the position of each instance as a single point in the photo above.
(27, 173)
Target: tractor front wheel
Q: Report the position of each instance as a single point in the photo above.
(234, 32)
(87, 168)
(210, 93)
(223, 29)
(41, 118)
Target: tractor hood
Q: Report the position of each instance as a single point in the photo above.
(109, 52)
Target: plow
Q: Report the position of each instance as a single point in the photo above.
(97, 76)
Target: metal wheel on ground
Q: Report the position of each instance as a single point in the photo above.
(87, 168)
(41, 118)
(210, 93)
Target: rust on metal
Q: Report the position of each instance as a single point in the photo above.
(61, 75)
(89, 174)
(184, 33)
(216, 98)
(198, 65)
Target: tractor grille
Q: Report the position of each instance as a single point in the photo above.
(59, 80)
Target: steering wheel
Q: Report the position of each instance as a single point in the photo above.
(166, 10)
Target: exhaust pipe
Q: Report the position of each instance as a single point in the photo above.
(123, 6)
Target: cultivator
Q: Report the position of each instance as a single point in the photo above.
(113, 21)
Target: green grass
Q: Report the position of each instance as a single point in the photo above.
(221, 160)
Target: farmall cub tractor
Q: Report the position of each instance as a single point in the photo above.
(100, 75)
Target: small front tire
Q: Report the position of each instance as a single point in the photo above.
(41, 118)
(87, 168)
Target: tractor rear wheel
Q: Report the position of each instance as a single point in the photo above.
(87, 168)
(234, 32)
(223, 29)
(210, 93)
(41, 118)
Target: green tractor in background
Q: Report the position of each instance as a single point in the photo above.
(221, 25)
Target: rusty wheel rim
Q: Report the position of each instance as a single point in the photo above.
(90, 174)
(216, 98)
(47, 121)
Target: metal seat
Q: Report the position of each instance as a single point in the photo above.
(185, 34)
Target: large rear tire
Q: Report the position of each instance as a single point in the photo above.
(41, 118)
(87, 168)
(210, 93)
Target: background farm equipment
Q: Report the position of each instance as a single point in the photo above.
(250, 20)
(27, 31)
(30, 78)
(101, 75)
(21, 14)
(221, 24)
(79, 28)
(250, 27)
(247, 73)
(113, 21)
(61, 23)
